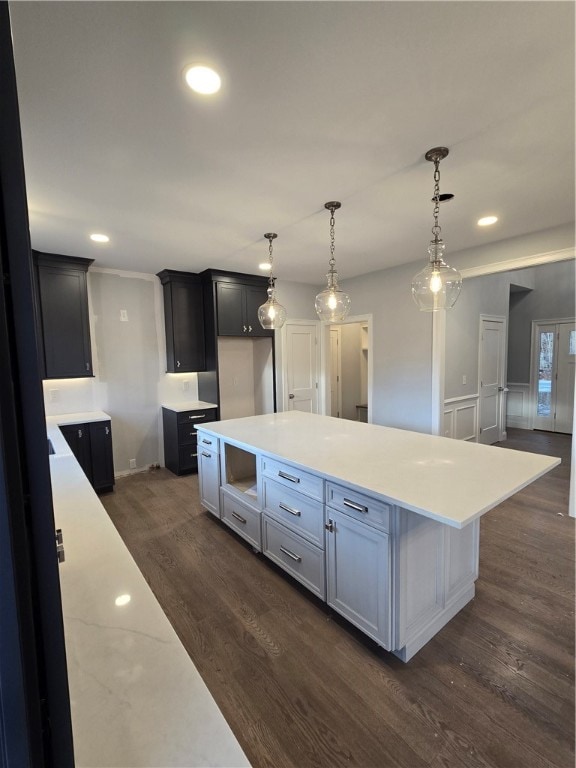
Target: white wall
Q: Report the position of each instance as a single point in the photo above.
(351, 379)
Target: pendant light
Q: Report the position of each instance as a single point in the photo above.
(437, 286)
(271, 315)
(332, 304)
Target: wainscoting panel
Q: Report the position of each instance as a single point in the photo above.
(518, 405)
(461, 418)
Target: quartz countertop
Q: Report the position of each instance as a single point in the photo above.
(448, 480)
(136, 697)
(191, 405)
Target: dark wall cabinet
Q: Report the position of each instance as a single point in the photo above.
(91, 444)
(62, 315)
(184, 321)
(237, 306)
(180, 441)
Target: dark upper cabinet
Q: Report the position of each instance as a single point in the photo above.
(62, 315)
(91, 444)
(184, 321)
(237, 306)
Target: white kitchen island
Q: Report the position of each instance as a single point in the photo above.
(381, 523)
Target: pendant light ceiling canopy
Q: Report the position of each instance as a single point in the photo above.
(332, 304)
(438, 285)
(271, 314)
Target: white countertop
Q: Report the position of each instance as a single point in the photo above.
(448, 480)
(191, 405)
(136, 697)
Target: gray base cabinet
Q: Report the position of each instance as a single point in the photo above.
(396, 575)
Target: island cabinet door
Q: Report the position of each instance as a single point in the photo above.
(358, 574)
(209, 479)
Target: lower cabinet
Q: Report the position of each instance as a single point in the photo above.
(358, 575)
(180, 439)
(298, 557)
(209, 476)
(242, 517)
(91, 444)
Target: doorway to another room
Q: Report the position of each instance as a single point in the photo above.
(347, 369)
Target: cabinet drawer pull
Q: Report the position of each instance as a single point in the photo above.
(239, 517)
(357, 507)
(206, 455)
(206, 442)
(291, 554)
(193, 455)
(286, 476)
(198, 416)
(286, 508)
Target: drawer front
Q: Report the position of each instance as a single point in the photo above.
(197, 417)
(187, 457)
(209, 442)
(298, 557)
(296, 511)
(370, 511)
(244, 520)
(187, 434)
(297, 479)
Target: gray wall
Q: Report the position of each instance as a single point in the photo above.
(551, 298)
(351, 369)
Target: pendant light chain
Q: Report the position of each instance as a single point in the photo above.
(332, 261)
(270, 259)
(436, 229)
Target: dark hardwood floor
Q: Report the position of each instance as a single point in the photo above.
(301, 688)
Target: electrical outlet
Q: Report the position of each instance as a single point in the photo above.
(132, 463)
(186, 386)
(464, 379)
(124, 315)
(54, 395)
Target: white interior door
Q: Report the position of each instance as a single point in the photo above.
(302, 367)
(553, 362)
(491, 379)
(335, 373)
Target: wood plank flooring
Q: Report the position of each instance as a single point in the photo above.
(301, 688)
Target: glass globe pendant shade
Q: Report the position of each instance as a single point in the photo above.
(437, 286)
(332, 304)
(271, 314)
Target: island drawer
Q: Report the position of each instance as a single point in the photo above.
(299, 558)
(300, 513)
(294, 478)
(207, 441)
(242, 519)
(371, 511)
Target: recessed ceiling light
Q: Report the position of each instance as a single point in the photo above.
(265, 267)
(203, 79)
(98, 238)
(122, 600)
(487, 220)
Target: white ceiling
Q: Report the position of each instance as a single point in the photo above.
(320, 101)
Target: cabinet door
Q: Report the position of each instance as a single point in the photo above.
(187, 327)
(64, 319)
(77, 437)
(209, 480)
(358, 572)
(254, 297)
(230, 309)
(101, 451)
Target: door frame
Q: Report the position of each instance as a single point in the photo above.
(281, 345)
(534, 364)
(503, 368)
(368, 321)
(337, 330)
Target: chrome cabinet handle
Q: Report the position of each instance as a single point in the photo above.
(329, 526)
(357, 507)
(286, 476)
(193, 455)
(87, 366)
(79, 433)
(297, 558)
(198, 416)
(177, 363)
(206, 455)
(286, 508)
(249, 329)
(107, 430)
(244, 328)
(206, 442)
(239, 517)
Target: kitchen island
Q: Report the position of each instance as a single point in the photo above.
(381, 523)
